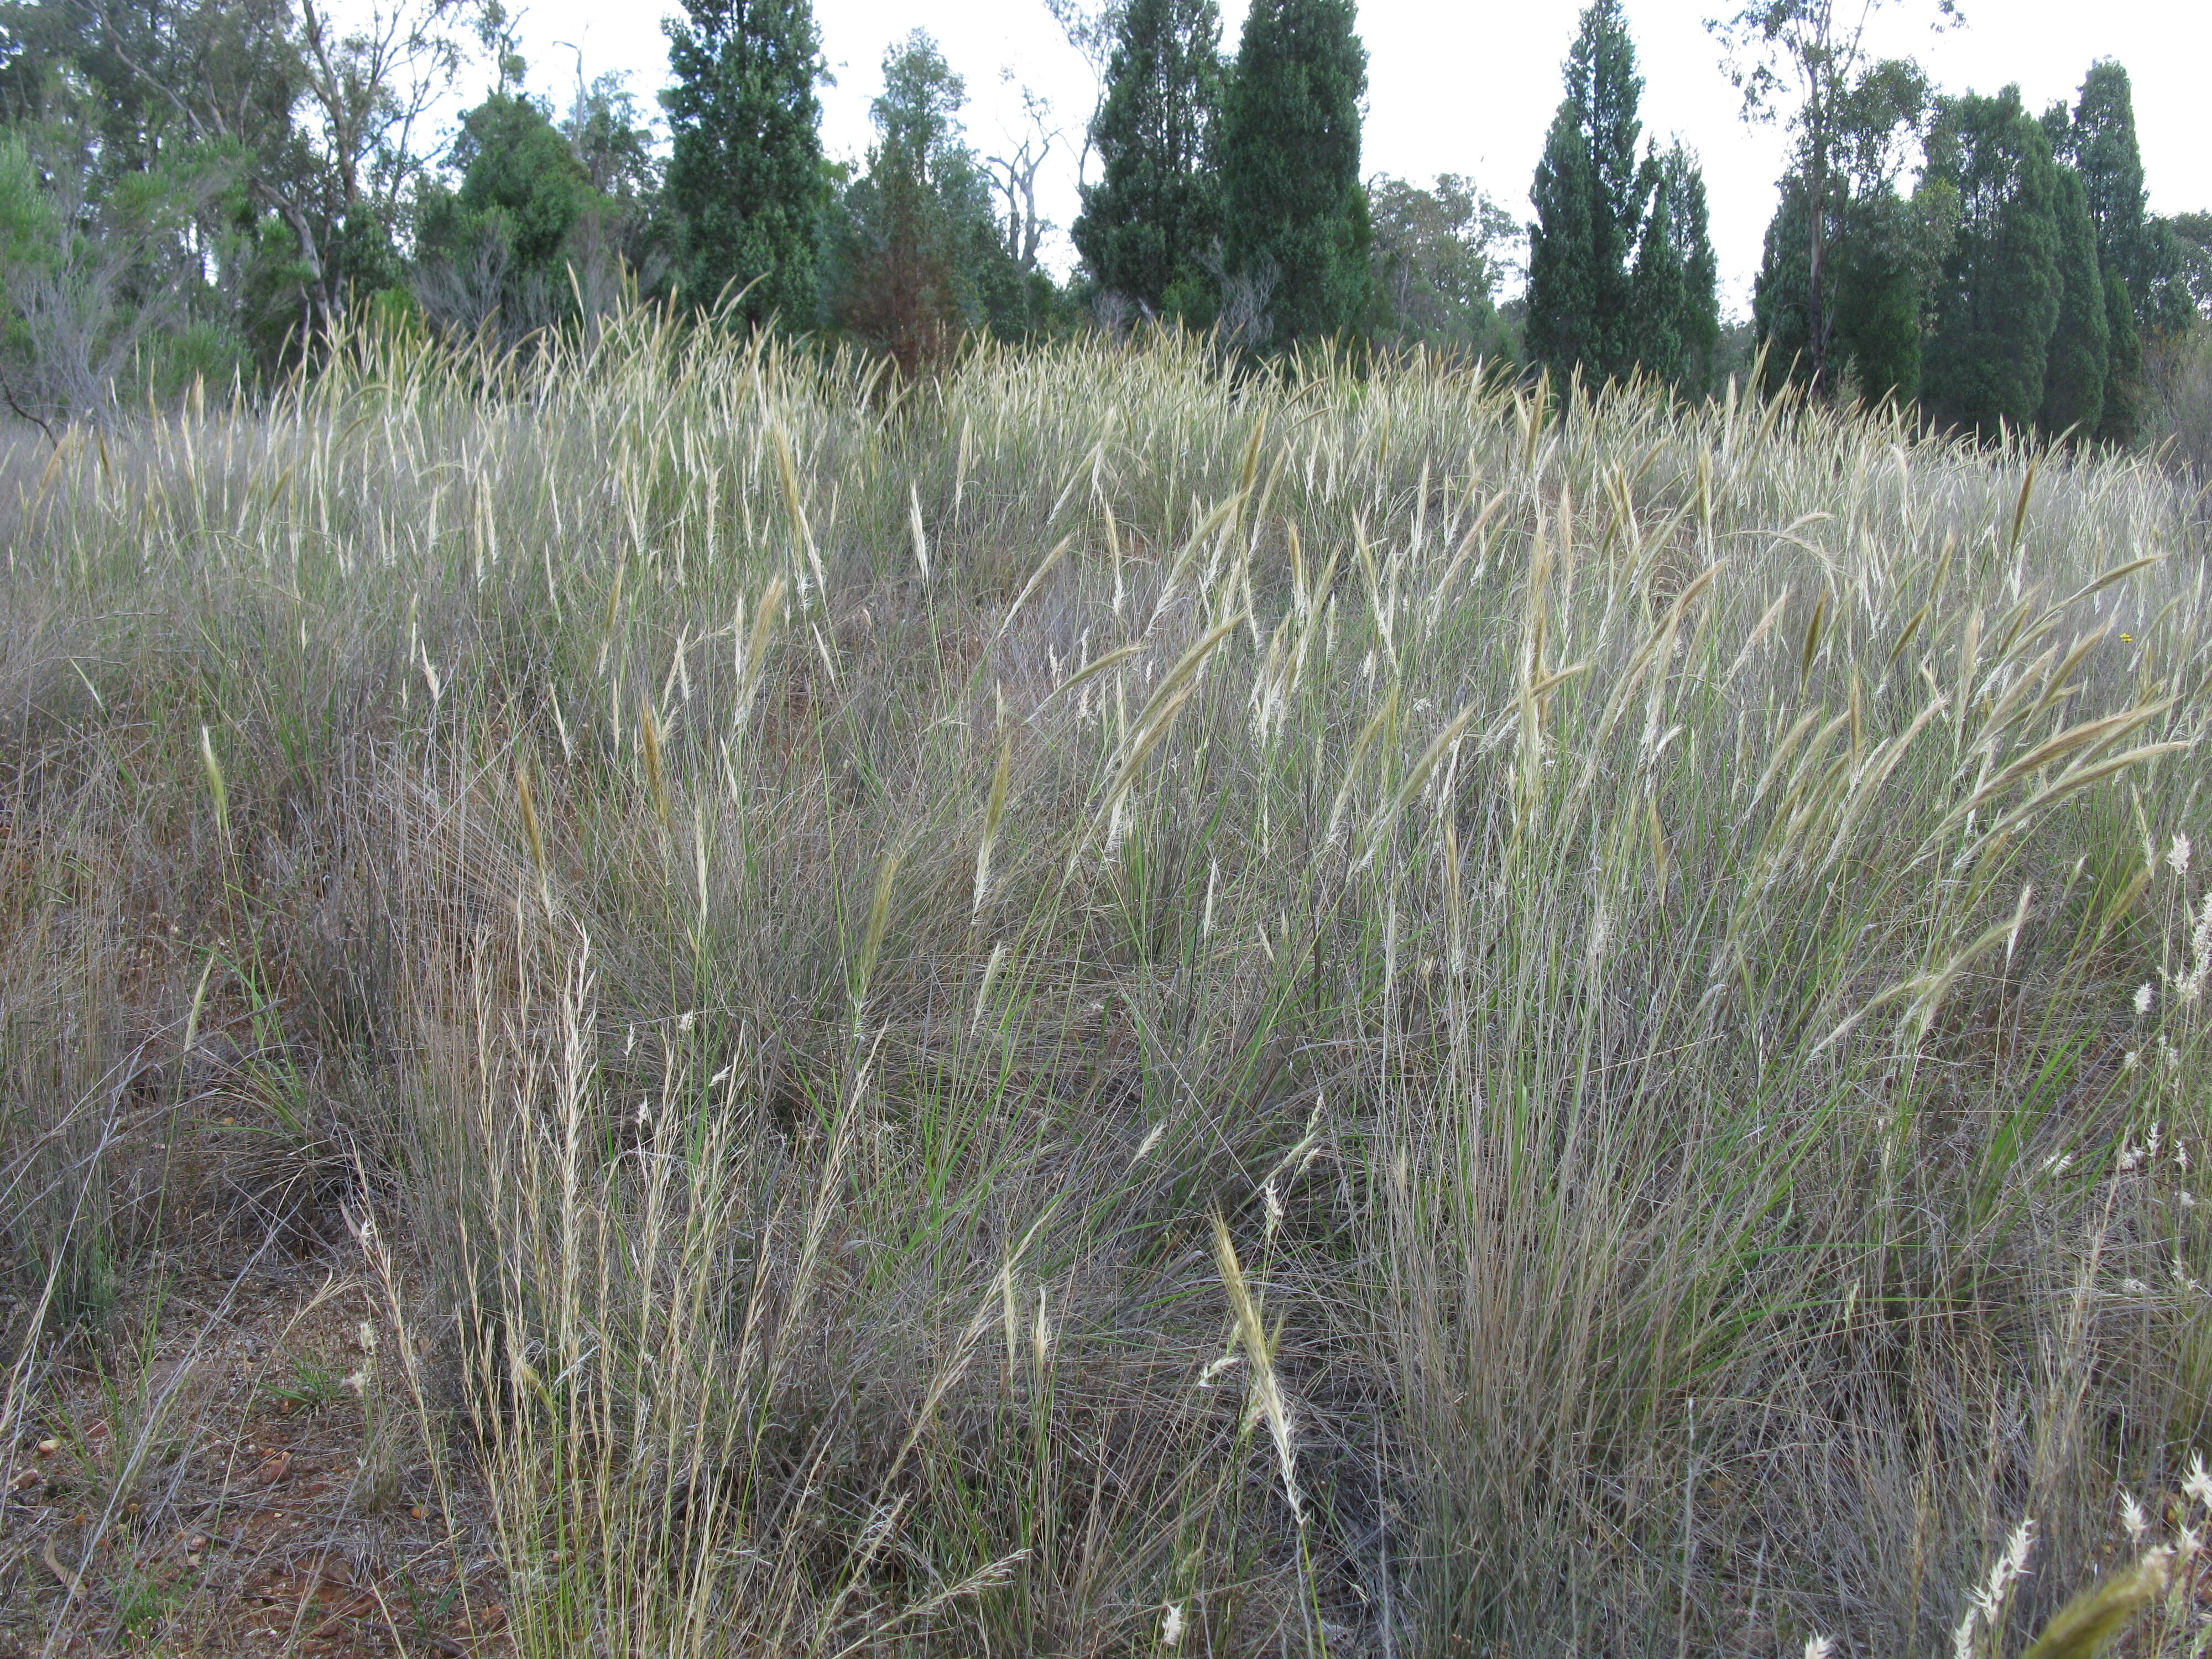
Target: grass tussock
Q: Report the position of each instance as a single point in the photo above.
(1100, 1007)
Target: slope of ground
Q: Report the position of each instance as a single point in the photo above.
(1099, 1007)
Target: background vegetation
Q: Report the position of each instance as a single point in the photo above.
(208, 191)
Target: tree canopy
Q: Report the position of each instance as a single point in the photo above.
(1152, 225)
(744, 166)
(1295, 221)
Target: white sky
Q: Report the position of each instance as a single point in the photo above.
(1470, 89)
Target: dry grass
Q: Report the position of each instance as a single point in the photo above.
(1097, 1007)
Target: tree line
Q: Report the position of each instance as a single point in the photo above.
(212, 190)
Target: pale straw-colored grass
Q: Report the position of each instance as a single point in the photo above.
(1318, 1011)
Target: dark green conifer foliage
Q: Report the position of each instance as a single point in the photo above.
(520, 179)
(498, 250)
(1561, 327)
(1874, 306)
(2178, 255)
(1873, 291)
(2079, 354)
(1689, 230)
(1581, 304)
(1997, 296)
(2123, 380)
(1155, 215)
(2103, 148)
(1658, 293)
(2101, 143)
(1780, 293)
(1292, 202)
(744, 166)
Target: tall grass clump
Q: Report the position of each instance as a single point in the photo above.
(1100, 1005)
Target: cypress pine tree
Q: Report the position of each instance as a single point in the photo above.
(1998, 297)
(1560, 328)
(2102, 143)
(1585, 301)
(1155, 216)
(1689, 229)
(2124, 362)
(1873, 297)
(2103, 148)
(1291, 199)
(1874, 305)
(1780, 293)
(2079, 353)
(744, 166)
(1658, 293)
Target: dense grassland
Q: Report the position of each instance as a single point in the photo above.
(1100, 1006)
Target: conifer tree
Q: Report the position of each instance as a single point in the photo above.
(1589, 196)
(1293, 207)
(918, 236)
(1875, 290)
(744, 167)
(2103, 149)
(1874, 304)
(1154, 217)
(1779, 306)
(2123, 361)
(1997, 298)
(1658, 293)
(1561, 328)
(2078, 356)
(2102, 143)
(1689, 230)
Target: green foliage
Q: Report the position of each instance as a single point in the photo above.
(519, 180)
(1999, 293)
(744, 168)
(1562, 309)
(1295, 218)
(1879, 250)
(1876, 303)
(102, 305)
(2180, 263)
(1153, 221)
(1883, 254)
(301, 130)
(1658, 293)
(1685, 227)
(1437, 262)
(1778, 294)
(2100, 142)
(1621, 270)
(605, 131)
(2123, 377)
(2079, 358)
(918, 241)
(30, 221)
(500, 246)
